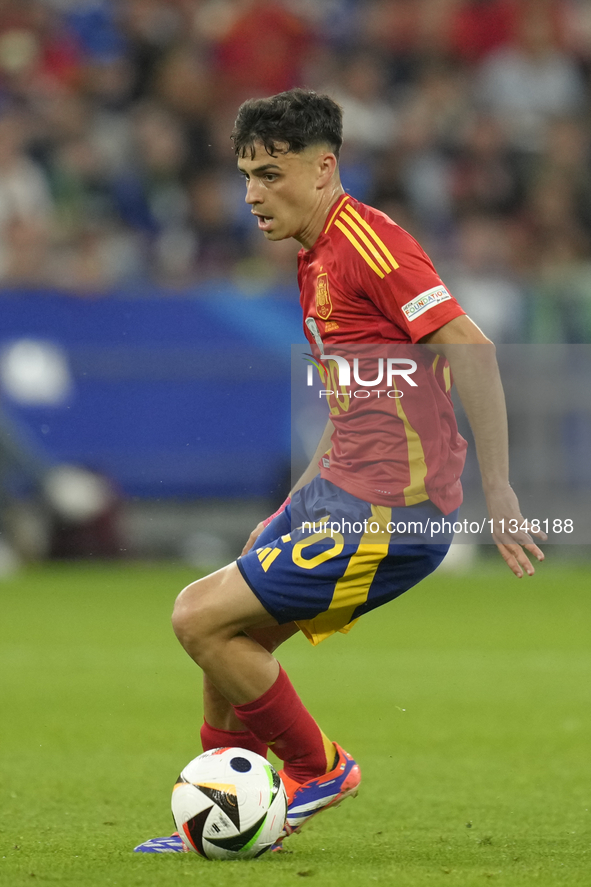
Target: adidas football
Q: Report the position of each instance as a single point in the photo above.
(229, 803)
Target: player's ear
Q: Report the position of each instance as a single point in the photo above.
(327, 164)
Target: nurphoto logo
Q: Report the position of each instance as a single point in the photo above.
(385, 372)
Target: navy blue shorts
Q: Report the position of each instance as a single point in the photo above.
(331, 557)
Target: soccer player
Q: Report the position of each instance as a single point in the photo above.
(363, 280)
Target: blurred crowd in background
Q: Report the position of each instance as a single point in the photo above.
(467, 121)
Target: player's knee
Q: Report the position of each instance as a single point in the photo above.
(194, 618)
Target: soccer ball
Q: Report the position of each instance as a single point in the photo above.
(229, 803)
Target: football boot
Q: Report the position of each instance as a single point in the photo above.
(305, 800)
(172, 844)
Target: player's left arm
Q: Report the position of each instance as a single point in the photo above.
(472, 358)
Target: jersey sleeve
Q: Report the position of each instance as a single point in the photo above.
(410, 293)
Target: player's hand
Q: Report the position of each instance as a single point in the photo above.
(253, 537)
(512, 533)
(516, 558)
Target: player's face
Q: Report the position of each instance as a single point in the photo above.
(285, 190)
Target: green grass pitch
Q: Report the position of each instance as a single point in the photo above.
(466, 703)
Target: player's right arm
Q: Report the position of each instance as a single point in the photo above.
(414, 298)
(308, 475)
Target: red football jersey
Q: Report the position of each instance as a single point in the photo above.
(367, 282)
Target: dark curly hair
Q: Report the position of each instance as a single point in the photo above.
(295, 119)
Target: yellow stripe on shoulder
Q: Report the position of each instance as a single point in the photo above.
(366, 240)
(351, 237)
(373, 234)
(331, 220)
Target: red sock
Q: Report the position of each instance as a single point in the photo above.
(212, 737)
(279, 718)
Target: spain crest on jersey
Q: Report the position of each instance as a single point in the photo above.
(323, 303)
